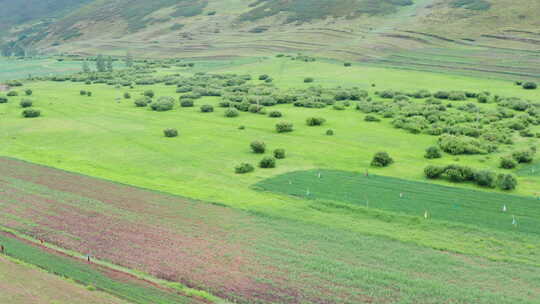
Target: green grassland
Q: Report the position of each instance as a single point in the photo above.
(106, 136)
(102, 137)
(23, 68)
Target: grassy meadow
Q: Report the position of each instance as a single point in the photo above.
(106, 136)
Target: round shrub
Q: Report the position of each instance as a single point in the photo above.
(163, 104)
(381, 159)
(315, 121)
(25, 103)
(12, 93)
(263, 77)
(275, 114)
(309, 79)
(442, 95)
(231, 112)
(485, 178)
(149, 93)
(523, 156)
(244, 168)
(82, 92)
(142, 102)
(432, 153)
(255, 108)
(507, 163)
(329, 132)
(455, 175)
(127, 95)
(3, 99)
(530, 86)
(207, 108)
(258, 147)
(506, 182)
(170, 132)
(371, 118)
(284, 127)
(28, 92)
(31, 113)
(89, 94)
(433, 172)
(267, 162)
(279, 153)
(347, 64)
(186, 103)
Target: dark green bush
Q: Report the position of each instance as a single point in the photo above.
(231, 112)
(258, 147)
(163, 104)
(309, 79)
(315, 121)
(275, 114)
(186, 103)
(207, 108)
(526, 156)
(268, 162)
(371, 118)
(82, 92)
(507, 163)
(506, 182)
(149, 93)
(31, 113)
(263, 77)
(25, 103)
(142, 102)
(530, 86)
(442, 95)
(28, 92)
(244, 168)
(170, 132)
(381, 159)
(3, 99)
(330, 132)
(127, 95)
(432, 153)
(485, 178)
(347, 64)
(433, 172)
(284, 127)
(89, 94)
(12, 93)
(279, 153)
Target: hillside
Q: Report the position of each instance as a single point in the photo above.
(448, 34)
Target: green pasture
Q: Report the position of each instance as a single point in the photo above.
(112, 139)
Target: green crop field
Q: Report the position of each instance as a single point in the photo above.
(443, 203)
(330, 235)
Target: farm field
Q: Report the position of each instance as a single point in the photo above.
(243, 256)
(44, 288)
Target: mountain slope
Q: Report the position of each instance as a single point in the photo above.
(348, 29)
